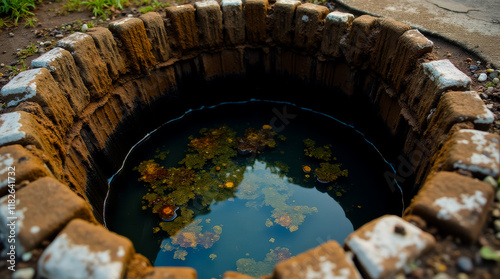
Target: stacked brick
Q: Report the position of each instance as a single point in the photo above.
(65, 110)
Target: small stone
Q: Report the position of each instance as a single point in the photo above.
(497, 235)
(26, 256)
(490, 180)
(473, 68)
(490, 89)
(130, 15)
(84, 28)
(93, 18)
(417, 273)
(59, 36)
(493, 74)
(441, 275)
(47, 43)
(496, 80)
(496, 213)
(462, 276)
(482, 77)
(11, 34)
(400, 276)
(496, 224)
(465, 264)
(483, 96)
(25, 273)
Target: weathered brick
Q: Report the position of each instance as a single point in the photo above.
(297, 65)
(471, 150)
(337, 25)
(232, 62)
(23, 128)
(255, 20)
(387, 244)
(385, 44)
(427, 86)
(234, 22)
(62, 66)
(225, 63)
(458, 106)
(212, 65)
(182, 27)
(19, 128)
(107, 48)
(172, 273)
(325, 261)
(92, 68)
(307, 21)
(446, 76)
(42, 209)
(358, 42)
(85, 250)
(411, 46)
(135, 44)
(454, 203)
(209, 21)
(283, 21)
(157, 35)
(39, 86)
(22, 163)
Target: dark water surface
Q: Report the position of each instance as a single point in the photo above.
(273, 209)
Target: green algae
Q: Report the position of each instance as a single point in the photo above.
(210, 172)
(192, 237)
(323, 153)
(257, 269)
(329, 172)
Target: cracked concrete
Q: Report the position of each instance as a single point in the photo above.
(473, 24)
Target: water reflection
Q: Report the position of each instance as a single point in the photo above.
(269, 212)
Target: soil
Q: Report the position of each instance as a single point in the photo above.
(54, 23)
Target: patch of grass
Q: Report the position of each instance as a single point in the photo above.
(28, 51)
(73, 6)
(102, 8)
(155, 6)
(30, 22)
(17, 9)
(14, 71)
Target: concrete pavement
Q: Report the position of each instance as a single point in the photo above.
(473, 24)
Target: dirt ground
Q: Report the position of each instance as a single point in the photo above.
(21, 43)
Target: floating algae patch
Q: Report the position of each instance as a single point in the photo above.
(222, 193)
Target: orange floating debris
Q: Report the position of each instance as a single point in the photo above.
(168, 212)
(306, 169)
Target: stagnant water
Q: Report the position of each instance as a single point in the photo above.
(242, 186)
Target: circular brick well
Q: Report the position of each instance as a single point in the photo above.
(70, 120)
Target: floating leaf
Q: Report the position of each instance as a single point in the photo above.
(212, 256)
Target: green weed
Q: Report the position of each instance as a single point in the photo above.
(30, 22)
(17, 9)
